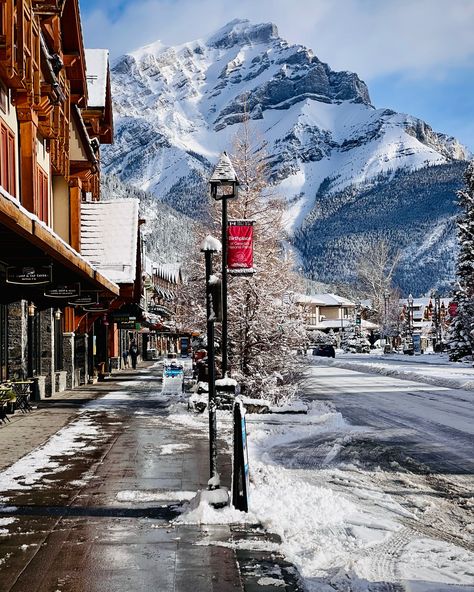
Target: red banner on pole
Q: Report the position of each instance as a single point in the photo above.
(453, 309)
(240, 246)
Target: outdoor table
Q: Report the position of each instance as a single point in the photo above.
(22, 390)
(4, 400)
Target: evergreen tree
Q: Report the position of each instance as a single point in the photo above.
(461, 333)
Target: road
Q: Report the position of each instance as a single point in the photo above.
(433, 425)
(384, 468)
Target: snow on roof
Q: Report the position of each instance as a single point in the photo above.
(333, 324)
(171, 272)
(109, 231)
(148, 265)
(97, 63)
(333, 300)
(424, 301)
(324, 300)
(308, 299)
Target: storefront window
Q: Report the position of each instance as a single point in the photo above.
(7, 158)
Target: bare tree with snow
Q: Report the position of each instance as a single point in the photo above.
(265, 324)
(375, 267)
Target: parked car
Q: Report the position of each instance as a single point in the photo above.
(327, 351)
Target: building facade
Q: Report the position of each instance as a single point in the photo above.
(55, 112)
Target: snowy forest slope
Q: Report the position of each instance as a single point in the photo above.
(414, 210)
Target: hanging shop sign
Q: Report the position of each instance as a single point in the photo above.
(96, 307)
(29, 276)
(240, 246)
(82, 300)
(63, 291)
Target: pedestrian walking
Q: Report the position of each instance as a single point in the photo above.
(134, 354)
(125, 358)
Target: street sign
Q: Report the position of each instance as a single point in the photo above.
(29, 276)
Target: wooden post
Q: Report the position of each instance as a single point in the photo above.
(75, 190)
(28, 137)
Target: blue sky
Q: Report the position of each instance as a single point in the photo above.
(416, 56)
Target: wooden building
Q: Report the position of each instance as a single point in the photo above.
(55, 112)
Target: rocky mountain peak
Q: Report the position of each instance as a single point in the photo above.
(242, 32)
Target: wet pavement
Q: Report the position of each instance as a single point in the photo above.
(91, 510)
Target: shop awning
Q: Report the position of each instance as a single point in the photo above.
(26, 241)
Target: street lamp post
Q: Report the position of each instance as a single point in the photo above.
(386, 300)
(223, 184)
(410, 316)
(437, 321)
(209, 247)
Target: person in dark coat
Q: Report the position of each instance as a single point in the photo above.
(133, 354)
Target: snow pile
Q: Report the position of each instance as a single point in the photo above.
(5, 522)
(172, 448)
(340, 524)
(201, 510)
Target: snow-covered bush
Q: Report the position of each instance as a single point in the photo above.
(354, 343)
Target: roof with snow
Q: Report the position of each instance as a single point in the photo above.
(97, 62)
(224, 170)
(324, 300)
(109, 231)
(308, 299)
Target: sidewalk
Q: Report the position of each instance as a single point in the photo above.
(93, 509)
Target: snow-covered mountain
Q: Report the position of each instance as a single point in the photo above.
(177, 108)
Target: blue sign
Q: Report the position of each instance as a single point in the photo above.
(246, 457)
(240, 476)
(417, 343)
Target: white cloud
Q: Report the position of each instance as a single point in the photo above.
(370, 37)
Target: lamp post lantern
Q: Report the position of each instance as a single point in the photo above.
(223, 185)
(30, 339)
(210, 246)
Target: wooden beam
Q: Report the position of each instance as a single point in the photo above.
(70, 59)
